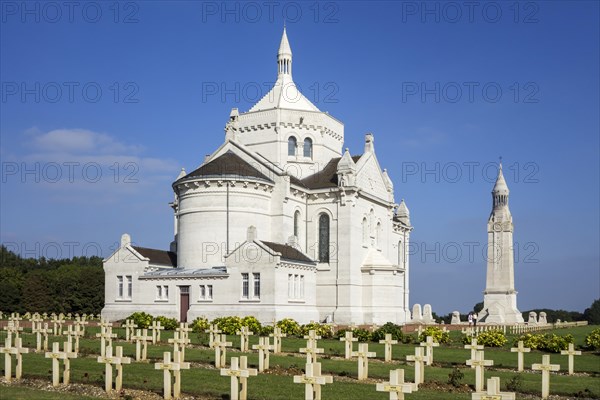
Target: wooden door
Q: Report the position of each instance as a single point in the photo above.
(184, 303)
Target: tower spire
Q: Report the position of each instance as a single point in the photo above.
(284, 56)
(500, 191)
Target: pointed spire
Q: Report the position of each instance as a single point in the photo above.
(346, 170)
(284, 46)
(181, 174)
(500, 191)
(284, 56)
(500, 186)
(346, 163)
(402, 213)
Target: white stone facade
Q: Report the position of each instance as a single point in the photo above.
(279, 203)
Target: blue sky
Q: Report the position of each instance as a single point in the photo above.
(102, 104)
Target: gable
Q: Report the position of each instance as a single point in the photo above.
(264, 253)
(370, 178)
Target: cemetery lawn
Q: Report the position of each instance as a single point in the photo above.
(23, 393)
(204, 381)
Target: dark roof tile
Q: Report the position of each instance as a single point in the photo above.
(160, 257)
(227, 165)
(327, 177)
(288, 252)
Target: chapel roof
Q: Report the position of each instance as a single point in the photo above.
(288, 252)
(230, 165)
(284, 94)
(327, 177)
(186, 272)
(159, 257)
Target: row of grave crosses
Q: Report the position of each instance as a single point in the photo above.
(478, 362)
(53, 316)
(239, 372)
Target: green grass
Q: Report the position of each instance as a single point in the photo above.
(204, 380)
(23, 393)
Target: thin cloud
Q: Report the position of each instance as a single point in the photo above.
(80, 141)
(425, 137)
(93, 165)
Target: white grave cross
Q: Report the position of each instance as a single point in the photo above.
(388, 342)
(156, 328)
(429, 344)
(545, 367)
(212, 331)
(312, 380)
(571, 353)
(244, 334)
(348, 339)
(277, 335)
(312, 337)
(220, 345)
(311, 352)
(236, 373)
(396, 386)
(129, 329)
(7, 349)
(263, 348)
(363, 355)
(493, 392)
(419, 360)
(168, 367)
(18, 351)
(141, 344)
(474, 347)
(479, 363)
(520, 349)
(179, 344)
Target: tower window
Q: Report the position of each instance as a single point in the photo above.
(324, 238)
(297, 224)
(292, 146)
(308, 148)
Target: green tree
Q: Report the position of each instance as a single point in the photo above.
(592, 314)
(65, 285)
(11, 284)
(37, 293)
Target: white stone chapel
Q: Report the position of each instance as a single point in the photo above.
(278, 222)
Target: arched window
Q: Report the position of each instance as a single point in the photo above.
(308, 148)
(292, 146)
(365, 231)
(324, 238)
(378, 235)
(297, 224)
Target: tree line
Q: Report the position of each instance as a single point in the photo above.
(50, 285)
